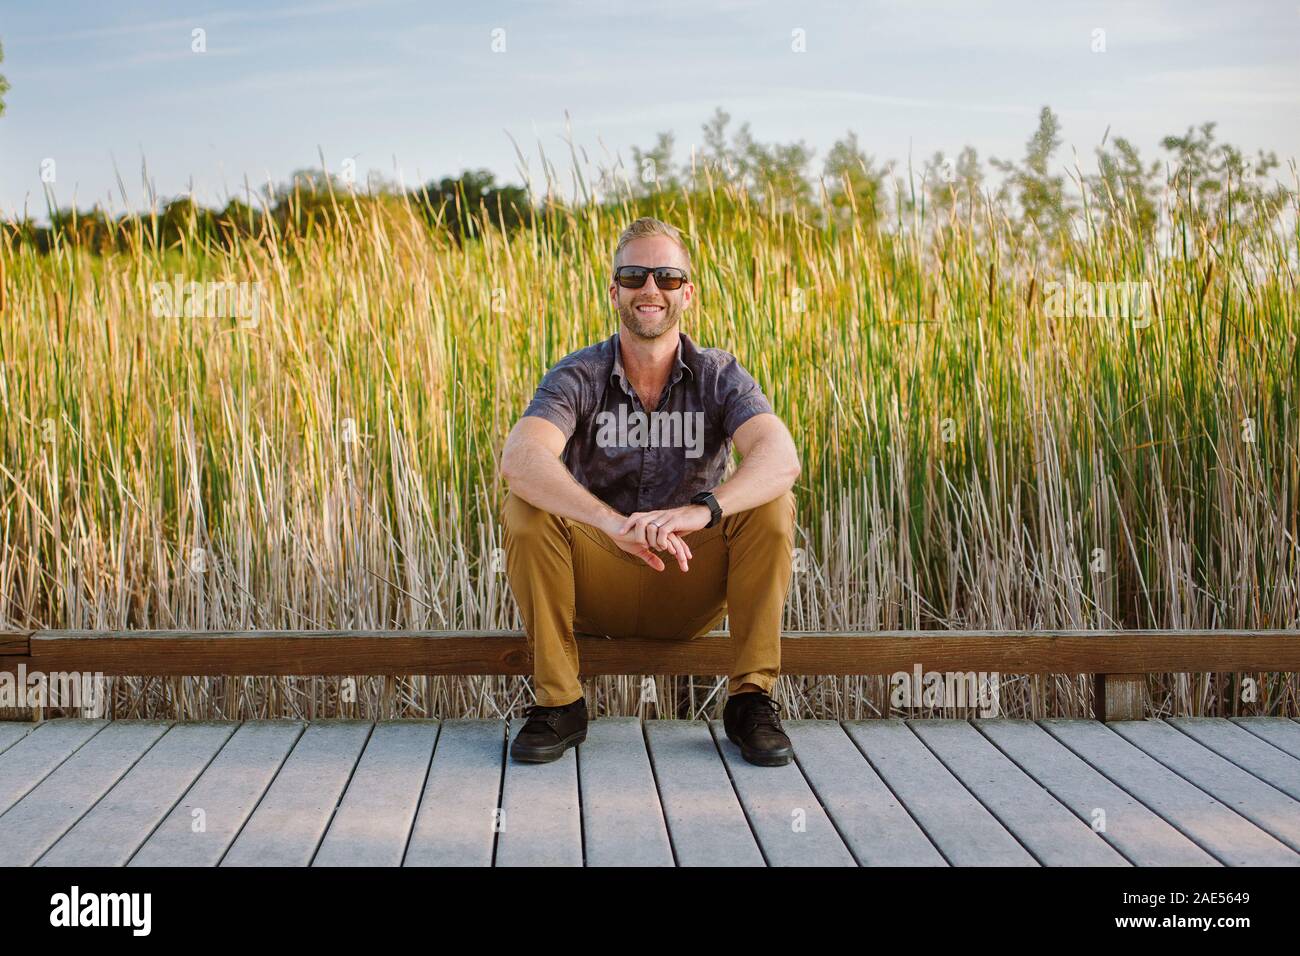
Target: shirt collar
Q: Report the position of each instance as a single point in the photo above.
(680, 368)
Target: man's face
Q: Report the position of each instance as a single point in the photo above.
(650, 311)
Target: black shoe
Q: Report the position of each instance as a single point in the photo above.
(752, 725)
(550, 731)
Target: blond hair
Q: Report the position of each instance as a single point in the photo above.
(649, 226)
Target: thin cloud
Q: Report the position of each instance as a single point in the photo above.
(199, 19)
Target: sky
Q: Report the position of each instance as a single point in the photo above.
(108, 97)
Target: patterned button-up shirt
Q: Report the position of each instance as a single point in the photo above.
(638, 461)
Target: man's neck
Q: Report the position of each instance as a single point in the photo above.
(648, 361)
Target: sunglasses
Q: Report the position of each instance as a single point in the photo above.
(633, 277)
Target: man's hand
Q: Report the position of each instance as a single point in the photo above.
(657, 529)
(631, 537)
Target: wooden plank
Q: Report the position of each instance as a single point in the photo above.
(456, 822)
(706, 823)
(1142, 837)
(1119, 696)
(505, 652)
(1251, 753)
(1263, 805)
(47, 812)
(958, 824)
(1281, 733)
(1054, 835)
(790, 824)
(153, 653)
(871, 821)
(15, 643)
(1215, 828)
(622, 819)
(200, 828)
(373, 822)
(119, 823)
(293, 815)
(541, 821)
(34, 757)
(13, 731)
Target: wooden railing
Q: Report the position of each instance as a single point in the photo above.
(1119, 660)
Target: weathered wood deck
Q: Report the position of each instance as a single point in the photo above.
(1182, 792)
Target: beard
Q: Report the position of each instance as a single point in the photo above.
(650, 327)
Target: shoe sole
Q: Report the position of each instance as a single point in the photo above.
(762, 758)
(546, 755)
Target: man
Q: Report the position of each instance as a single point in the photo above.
(620, 456)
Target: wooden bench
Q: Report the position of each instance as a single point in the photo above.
(1119, 660)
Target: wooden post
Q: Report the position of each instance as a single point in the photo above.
(1119, 696)
(15, 645)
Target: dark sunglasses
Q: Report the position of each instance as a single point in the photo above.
(633, 277)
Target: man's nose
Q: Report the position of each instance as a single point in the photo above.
(649, 292)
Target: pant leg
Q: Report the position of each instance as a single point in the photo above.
(760, 556)
(566, 576)
(741, 568)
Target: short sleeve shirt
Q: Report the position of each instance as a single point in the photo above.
(635, 459)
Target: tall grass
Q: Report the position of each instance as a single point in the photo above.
(969, 460)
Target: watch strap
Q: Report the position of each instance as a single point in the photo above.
(707, 499)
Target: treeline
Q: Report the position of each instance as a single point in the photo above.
(312, 199)
(1216, 182)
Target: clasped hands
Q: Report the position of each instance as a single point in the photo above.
(644, 532)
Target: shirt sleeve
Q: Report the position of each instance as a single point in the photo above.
(558, 398)
(737, 396)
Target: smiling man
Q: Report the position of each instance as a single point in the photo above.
(619, 457)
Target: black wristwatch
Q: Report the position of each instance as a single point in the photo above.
(715, 510)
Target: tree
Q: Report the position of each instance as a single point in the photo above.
(716, 153)
(1125, 188)
(1219, 180)
(1041, 194)
(854, 179)
(781, 169)
(308, 181)
(954, 185)
(4, 84)
(457, 201)
(755, 167)
(656, 162)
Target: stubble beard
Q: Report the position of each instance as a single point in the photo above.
(650, 328)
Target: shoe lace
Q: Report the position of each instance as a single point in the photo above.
(540, 715)
(762, 712)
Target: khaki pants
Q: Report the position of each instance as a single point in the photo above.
(568, 576)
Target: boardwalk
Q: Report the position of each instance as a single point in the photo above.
(1181, 792)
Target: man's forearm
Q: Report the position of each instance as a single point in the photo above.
(542, 480)
(765, 473)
